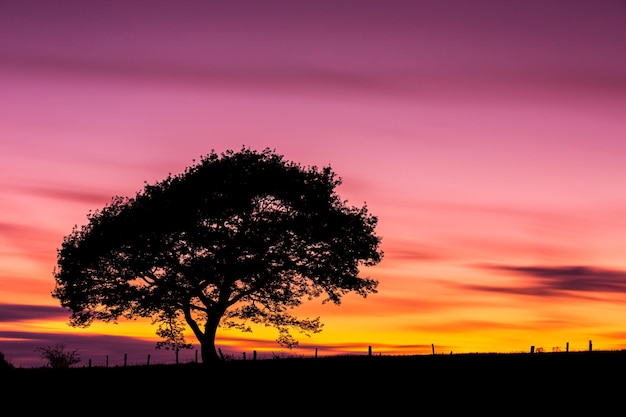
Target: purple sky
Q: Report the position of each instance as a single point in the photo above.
(487, 136)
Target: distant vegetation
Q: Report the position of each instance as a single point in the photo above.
(58, 357)
(4, 364)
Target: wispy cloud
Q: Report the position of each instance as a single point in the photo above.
(26, 241)
(289, 77)
(558, 280)
(70, 195)
(398, 251)
(22, 312)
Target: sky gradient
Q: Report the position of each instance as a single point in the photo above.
(488, 137)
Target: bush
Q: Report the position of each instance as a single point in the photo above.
(4, 364)
(58, 357)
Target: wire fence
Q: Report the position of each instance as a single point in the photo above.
(195, 358)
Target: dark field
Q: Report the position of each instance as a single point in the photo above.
(572, 383)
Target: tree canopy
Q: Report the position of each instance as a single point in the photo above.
(238, 238)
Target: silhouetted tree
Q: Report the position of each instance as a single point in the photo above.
(4, 363)
(171, 331)
(238, 238)
(58, 357)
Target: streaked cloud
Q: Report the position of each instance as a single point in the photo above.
(290, 77)
(66, 194)
(27, 241)
(397, 251)
(20, 312)
(546, 281)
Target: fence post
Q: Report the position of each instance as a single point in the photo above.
(196, 355)
(432, 347)
(590, 346)
(254, 355)
(107, 361)
(567, 347)
(369, 351)
(315, 353)
(532, 349)
(244, 356)
(90, 363)
(125, 357)
(148, 363)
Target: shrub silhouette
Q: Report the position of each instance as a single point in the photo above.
(58, 357)
(4, 364)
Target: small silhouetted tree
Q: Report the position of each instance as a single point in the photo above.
(58, 357)
(171, 331)
(239, 238)
(4, 363)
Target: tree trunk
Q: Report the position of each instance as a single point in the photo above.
(206, 338)
(208, 351)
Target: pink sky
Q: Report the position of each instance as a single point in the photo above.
(489, 138)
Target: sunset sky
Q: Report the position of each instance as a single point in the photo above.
(488, 136)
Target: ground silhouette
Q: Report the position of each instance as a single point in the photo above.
(460, 384)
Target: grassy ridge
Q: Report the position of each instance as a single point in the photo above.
(493, 384)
